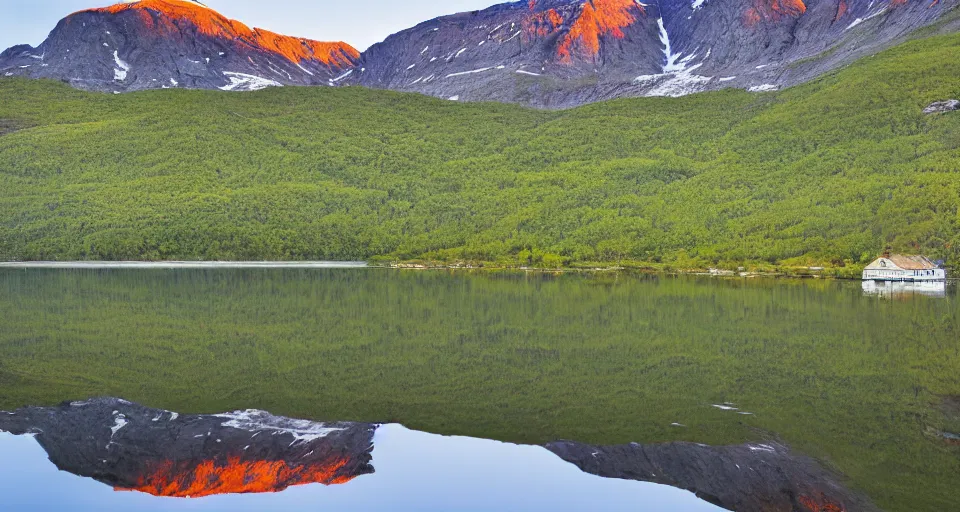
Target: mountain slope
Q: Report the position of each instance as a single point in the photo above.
(827, 173)
(543, 53)
(154, 44)
(561, 53)
(557, 46)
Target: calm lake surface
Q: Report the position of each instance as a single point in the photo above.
(864, 382)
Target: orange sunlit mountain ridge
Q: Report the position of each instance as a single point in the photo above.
(155, 44)
(585, 27)
(169, 16)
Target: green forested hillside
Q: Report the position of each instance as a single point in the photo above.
(826, 173)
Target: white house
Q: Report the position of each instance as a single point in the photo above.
(897, 267)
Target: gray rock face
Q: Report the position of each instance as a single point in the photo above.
(131, 447)
(939, 107)
(156, 44)
(747, 478)
(518, 52)
(563, 53)
(542, 53)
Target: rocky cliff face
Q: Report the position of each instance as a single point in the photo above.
(153, 44)
(561, 53)
(550, 53)
(544, 53)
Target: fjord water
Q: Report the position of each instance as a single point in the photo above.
(866, 383)
(477, 476)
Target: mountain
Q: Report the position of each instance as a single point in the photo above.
(544, 53)
(561, 53)
(153, 44)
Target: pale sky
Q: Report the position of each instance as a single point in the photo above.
(358, 22)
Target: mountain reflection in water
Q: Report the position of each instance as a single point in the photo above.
(255, 454)
(235, 476)
(863, 383)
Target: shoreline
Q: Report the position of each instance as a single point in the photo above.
(173, 265)
(413, 265)
(799, 273)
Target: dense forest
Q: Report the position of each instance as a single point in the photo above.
(829, 173)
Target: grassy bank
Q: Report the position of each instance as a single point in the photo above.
(630, 266)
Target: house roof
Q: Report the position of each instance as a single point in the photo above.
(907, 262)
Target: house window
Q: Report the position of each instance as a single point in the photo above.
(883, 264)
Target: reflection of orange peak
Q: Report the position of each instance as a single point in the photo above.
(208, 478)
(598, 18)
(820, 504)
(212, 23)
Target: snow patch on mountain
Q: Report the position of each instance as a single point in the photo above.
(675, 84)
(305, 70)
(245, 82)
(677, 78)
(120, 72)
(672, 58)
(858, 21)
(341, 77)
(481, 70)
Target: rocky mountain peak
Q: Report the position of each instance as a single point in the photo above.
(773, 10)
(560, 53)
(153, 44)
(584, 23)
(175, 16)
(544, 53)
